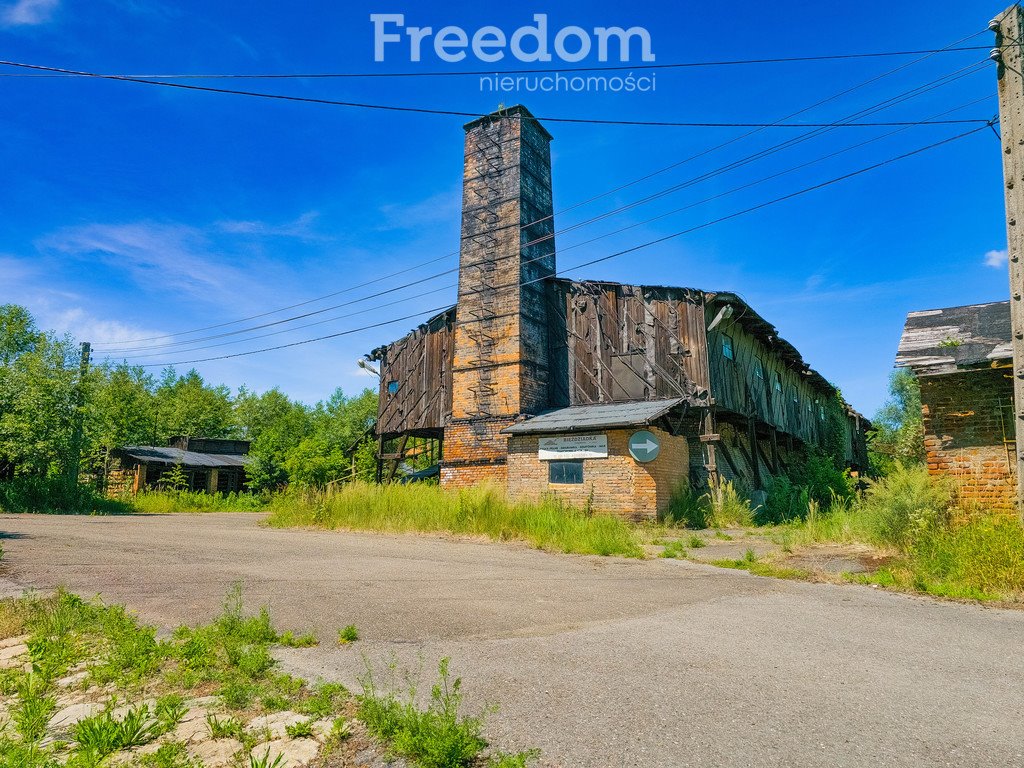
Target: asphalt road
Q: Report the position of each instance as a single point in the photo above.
(599, 662)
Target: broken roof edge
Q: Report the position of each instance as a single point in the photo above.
(958, 339)
(587, 418)
(377, 353)
(516, 110)
(939, 310)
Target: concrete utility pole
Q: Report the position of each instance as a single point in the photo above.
(1009, 28)
(76, 438)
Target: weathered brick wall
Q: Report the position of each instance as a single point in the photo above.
(474, 451)
(617, 485)
(500, 365)
(964, 415)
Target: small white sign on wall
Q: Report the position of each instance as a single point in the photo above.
(573, 447)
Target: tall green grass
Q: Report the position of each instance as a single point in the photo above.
(914, 516)
(982, 559)
(481, 511)
(163, 502)
(723, 505)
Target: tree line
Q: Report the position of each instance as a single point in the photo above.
(124, 405)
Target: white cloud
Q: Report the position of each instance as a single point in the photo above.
(25, 13)
(300, 229)
(155, 255)
(441, 207)
(55, 309)
(86, 327)
(996, 259)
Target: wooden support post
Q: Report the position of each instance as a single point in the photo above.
(211, 486)
(75, 459)
(755, 465)
(1008, 28)
(400, 455)
(776, 463)
(708, 429)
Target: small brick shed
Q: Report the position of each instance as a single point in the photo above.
(609, 479)
(963, 360)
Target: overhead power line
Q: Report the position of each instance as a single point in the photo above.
(456, 113)
(591, 262)
(500, 73)
(129, 351)
(645, 177)
(562, 250)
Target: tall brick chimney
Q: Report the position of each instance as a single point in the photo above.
(501, 331)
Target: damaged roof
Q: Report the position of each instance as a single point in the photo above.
(152, 454)
(583, 418)
(937, 341)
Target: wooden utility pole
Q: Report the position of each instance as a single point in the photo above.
(1009, 28)
(76, 438)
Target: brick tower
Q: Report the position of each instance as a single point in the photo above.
(501, 330)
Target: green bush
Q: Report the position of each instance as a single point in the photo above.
(55, 496)
(813, 477)
(907, 504)
(784, 501)
(686, 507)
(724, 505)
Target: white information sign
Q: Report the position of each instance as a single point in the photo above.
(573, 447)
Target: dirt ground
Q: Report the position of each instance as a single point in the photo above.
(599, 662)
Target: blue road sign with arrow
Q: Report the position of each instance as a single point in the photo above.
(644, 446)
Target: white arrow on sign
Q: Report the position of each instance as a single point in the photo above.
(643, 446)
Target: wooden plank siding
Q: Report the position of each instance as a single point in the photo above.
(768, 381)
(632, 342)
(420, 364)
(757, 382)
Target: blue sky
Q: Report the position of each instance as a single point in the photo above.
(130, 211)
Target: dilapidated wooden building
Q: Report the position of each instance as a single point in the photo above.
(592, 390)
(211, 465)
(963, 359)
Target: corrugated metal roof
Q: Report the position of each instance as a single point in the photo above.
(163, 455)
(581, 418)
(939, 341)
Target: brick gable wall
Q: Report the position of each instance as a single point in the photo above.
(964, 417)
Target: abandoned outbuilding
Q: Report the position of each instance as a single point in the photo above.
(605, 394)
(211, 465)
(963, 359)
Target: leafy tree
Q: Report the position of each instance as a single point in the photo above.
(186, 405)
(38, 396)
(898, 434)
(275, 425)
(39, 384)
(123, 407)
(338, 425)
(18, 333)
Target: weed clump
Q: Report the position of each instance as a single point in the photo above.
(437, 736)
(348, 634)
